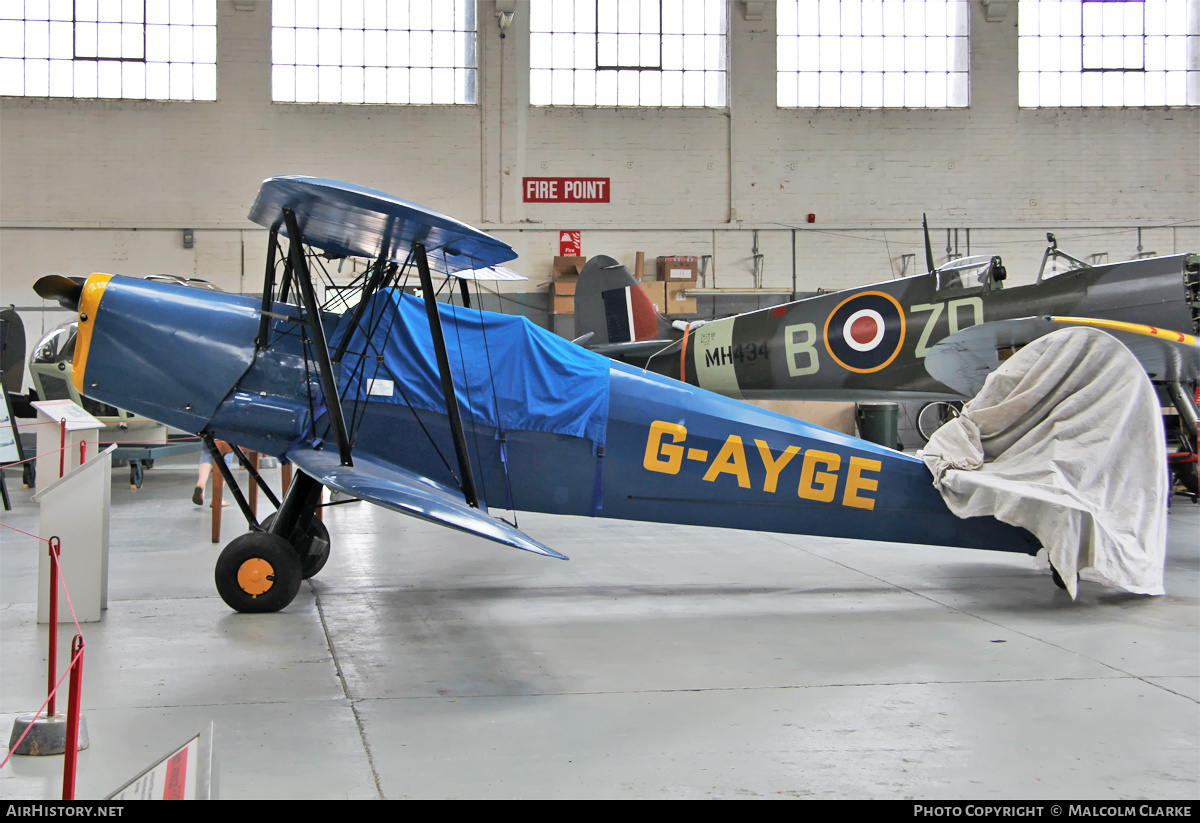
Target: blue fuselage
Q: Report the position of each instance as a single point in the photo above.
(671, 452)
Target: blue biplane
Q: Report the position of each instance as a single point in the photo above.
(446, 412)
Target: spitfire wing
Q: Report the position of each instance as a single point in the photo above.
(963, 360)
(1165, 354)
(401, 490)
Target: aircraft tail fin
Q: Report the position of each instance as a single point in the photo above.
(611, 304)
(629, 315)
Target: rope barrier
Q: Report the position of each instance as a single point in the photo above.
(74, 669)
(104, 444)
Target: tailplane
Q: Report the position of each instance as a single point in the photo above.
(612, 306)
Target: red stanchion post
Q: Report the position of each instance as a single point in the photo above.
(72, 752)
(62, 446)
(82, 451)
(55, 548)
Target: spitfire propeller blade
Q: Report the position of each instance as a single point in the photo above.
(66, 290)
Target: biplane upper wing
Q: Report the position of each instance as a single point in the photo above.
(963, 360)
(396, 488)
(355, 221)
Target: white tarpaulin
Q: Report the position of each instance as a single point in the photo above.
(1066, 440)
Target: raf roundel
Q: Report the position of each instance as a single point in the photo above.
(865, 332)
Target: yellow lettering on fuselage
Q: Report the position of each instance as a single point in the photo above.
(855, 483)
(663, 457)
(820, 471)
(826, 479)
(772, 465)
(732, 459)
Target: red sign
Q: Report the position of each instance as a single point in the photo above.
(565, 189)
(570, 244)
(174, 788)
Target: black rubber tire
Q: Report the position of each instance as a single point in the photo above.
(284, 578)
(1058, 581)
(311, 560)
(1188, 477)
(934, 415)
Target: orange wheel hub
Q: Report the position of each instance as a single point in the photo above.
(256, 576)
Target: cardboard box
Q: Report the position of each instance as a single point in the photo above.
(838, 416)
(657, 292)
(562, 294)
(568, 266)
(562, 284)
(676, 301)
(678, 269)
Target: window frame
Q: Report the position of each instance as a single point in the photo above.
(1053, 70)
(48, 72)
(877, 43)
(704, 84)
(464, 79)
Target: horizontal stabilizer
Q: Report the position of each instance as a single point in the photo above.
(401, 490)
(635, 348)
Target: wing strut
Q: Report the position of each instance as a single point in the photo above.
(312, 313)
(381, 273)
(439, 346)
(268, 290)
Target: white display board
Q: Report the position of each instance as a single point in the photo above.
(75, 509)
(70, 411)
(188, 773)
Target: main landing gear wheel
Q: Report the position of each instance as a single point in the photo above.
(933, 416)
(258, 572)
(312, 548)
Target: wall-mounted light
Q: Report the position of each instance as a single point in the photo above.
(994, 11)
(505, 11)
(189, 238)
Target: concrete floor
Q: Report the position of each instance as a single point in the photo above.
(660, 662)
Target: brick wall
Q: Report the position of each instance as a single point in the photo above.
(108, 185)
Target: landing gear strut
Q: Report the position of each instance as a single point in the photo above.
(261, 571)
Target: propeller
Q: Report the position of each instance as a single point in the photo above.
(66, 290)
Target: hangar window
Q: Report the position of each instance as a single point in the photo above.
(873, 53)
(1074, 53)
(628, 53)
(123, 49)
(365, 51)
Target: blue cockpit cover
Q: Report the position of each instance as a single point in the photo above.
(533, 379)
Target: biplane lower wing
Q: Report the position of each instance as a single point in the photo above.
(398, 489)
